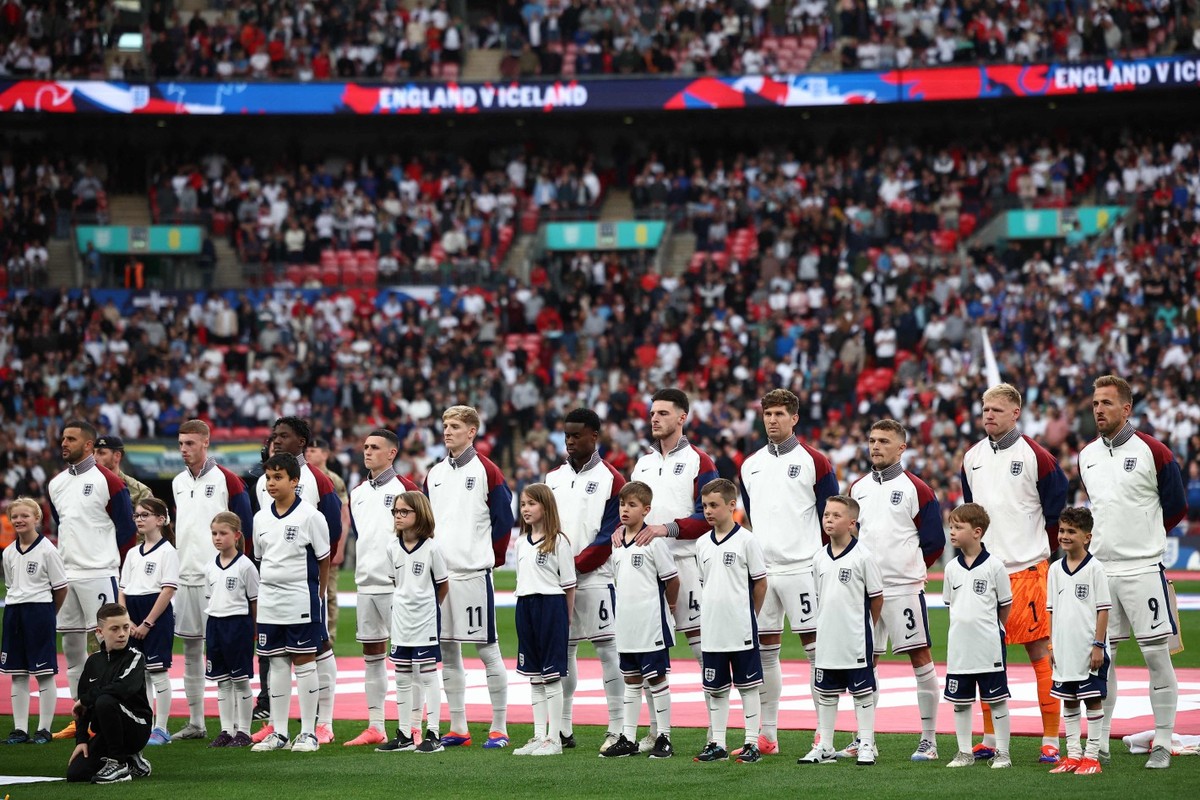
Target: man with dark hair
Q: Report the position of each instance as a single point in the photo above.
(91, 508)
(586, 489)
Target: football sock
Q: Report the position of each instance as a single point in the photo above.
(497, 683)
(281, 693)
(47, 698)
(1070, 718)
(569, 682)
(772, 689)
(752, 712)
(696, 651)
(554, 708)
(416, 704)
(454, 681)
(653, 730)
(1164, 691)
(193, 679)
(610, 669)
(433, 699)
(540, 713)
(404, 693)
(631, 706)
(718, 715)
(1110, 701)
(225, 705)
(20, 702)
(864, 714)
(74, 646)
(662, 708)
(962, 726)
(1095, 720)
(308, 687)
(327, 687)
(243, 704)
(1048, 703)
(375, 687)
(1003, 724)
(161, 682)
(989, 731)
(826, 718)
(927, 699)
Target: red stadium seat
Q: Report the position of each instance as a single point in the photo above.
(331, 275)
(312, 273)
(294, 274)
(328, 257)
(966, 224)
(368, 277)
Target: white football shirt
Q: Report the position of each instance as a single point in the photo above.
(230, 588)
(544, 573)
(975, 595)
(644, 622)
(417, 574)
(1074, 599)
(289, 548)
(147, 571)
(845, 583)
(727, 568)
(32, 575)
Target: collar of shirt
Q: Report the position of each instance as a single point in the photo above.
(301, 460)
(657, 446)
(783, 448)
(209, 464)
(1123, 436)
(463, 458)
(1006, 441)
(887, 473)
(82, 466)
(591, 462)
(382, 478)
(979, 559)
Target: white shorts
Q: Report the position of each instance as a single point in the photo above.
(190, 619)
(374, 617)
(592, 616)
(905, 620)
(687, 610)
(1139, 606)
(84, 598)
(469, 610)
(792, 595)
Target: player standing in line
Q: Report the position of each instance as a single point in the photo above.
(733, 577)
(784, 489)
(586, 490)
(979, 595)
(647, 588)
(419, 573)
(91, 507)
(202, 490)
(1023, 489)
(545, 593)
(473, 507)
(232, 606)
(110, 452)
(36, 582)
(900, 522)
(850, 590)
(373, 526)
(675, 470)
(1137, 495)
(149, 579)
(1079, 601)
(291, 435)
(292, 541)
(317, 456)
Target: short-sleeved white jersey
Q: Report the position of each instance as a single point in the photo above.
(32, 575)
(544, 573)
(230, 588)
(148, 570)
(289, 548)
(644, 622)
(845, 583)
(727, 568)
(587, 508)
(197, 500)
(676, 478)
(974, 596)
(1074, 599)
(899, 518)
(417, 574)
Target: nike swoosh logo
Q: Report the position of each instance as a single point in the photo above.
(859, 683)
(956, 588)
(1155, 625)
(313, 691)
(693, 619)
(644, 469)
(183, 492)
(472, 633)
(975, 468)
(906, 638)
(605, 625)
(304, 642)
(437, 484)
(805, 619)
(755, 471)
(1032, 629)
(1089, 466)
(91, 680)
(39, 666)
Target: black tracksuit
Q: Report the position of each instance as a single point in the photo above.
(112, 690)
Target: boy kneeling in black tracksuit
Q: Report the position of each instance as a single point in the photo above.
(112, 703)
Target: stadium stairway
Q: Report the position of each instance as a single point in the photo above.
(516, 263)
(128, 209)
(230, 273)
(482, 65)
(680, 249)
(62, 268)
(618, 206)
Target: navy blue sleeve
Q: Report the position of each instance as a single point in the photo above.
(330, 506)
(1172, 495)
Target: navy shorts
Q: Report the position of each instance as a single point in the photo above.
(27, 646)
(743, 668)
(654, 664)
(1095, 687)
(403, 656)
(156, 647)
(300, 638)
(857, 681)
(993, 687)
(229, 648)
(542, 632)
